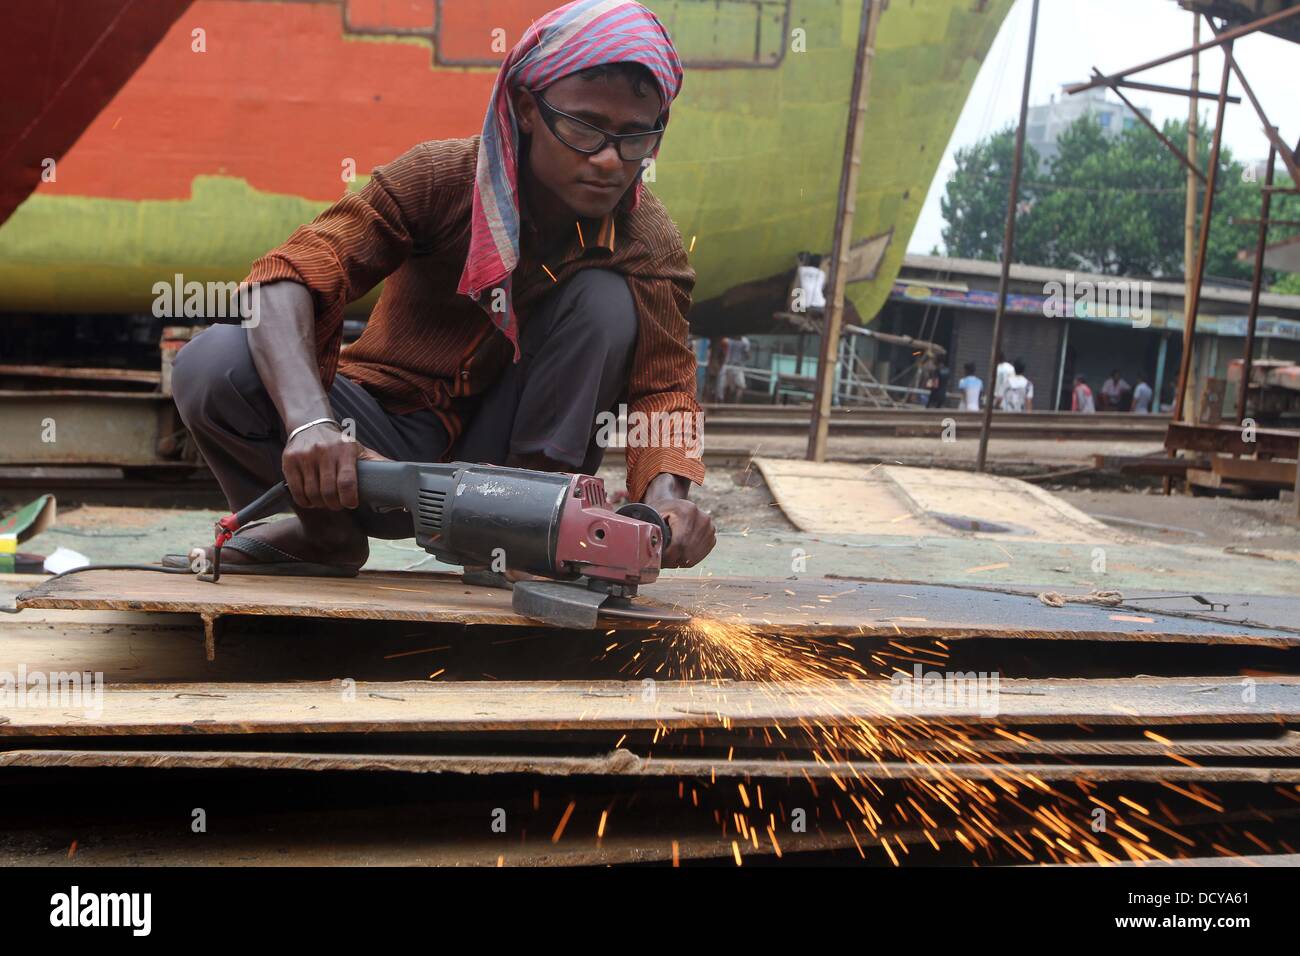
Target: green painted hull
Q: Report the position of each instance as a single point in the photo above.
(749, 170)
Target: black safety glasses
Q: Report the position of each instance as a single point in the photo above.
(588, 139)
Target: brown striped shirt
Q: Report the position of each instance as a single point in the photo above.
(426, 347)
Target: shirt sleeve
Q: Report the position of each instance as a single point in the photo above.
(354, 244)
(661, 389)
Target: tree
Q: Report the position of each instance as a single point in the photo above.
(1111, 205)
(974, 205)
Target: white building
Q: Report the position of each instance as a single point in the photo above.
(1048, 121)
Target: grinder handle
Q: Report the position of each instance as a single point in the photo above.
(386, 484)
(378, 483)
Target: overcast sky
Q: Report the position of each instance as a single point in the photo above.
(1074, 36)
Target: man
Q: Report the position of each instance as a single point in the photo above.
(1019, 394)
(1082, 400)
(1003, 375)
(532, 283)
(939, 385)
(1114, 391)
(1142, 397)
(970, 386)
(809, 291)
(731, 386)
(713, 370)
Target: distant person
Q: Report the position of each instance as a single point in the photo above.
(731, 383)
(810, 283)
(939, 386)
(971, 386)
(1082, 400)
(1019, 394)
(713, 371)
(1115, 392)
(1142, 396)
(1004, 372)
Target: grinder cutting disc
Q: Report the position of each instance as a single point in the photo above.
(622, 609)
(573, 604)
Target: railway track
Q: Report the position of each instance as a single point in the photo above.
(926, 423)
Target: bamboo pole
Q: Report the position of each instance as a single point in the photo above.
(1207, 210)
(830, 342)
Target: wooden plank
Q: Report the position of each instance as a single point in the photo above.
(1161, 466)
(424, 706)
(623, 763)
(1228, 439)
(1284, 745)
(1213, 482)
(871, 611)
(106, 375)
(1280, 474)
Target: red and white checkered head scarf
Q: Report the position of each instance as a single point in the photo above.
(576, 36)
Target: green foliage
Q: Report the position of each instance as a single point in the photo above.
(1108, 205)
(1289, 284)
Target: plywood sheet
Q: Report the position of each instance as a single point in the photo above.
(830, 607)
(840, 498)
(621, 763)
(427, 706)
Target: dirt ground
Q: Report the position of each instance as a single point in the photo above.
(1220, 522)
(738, 500)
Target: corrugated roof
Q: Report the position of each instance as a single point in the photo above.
(1043, 274)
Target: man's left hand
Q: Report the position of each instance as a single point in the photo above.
(693, 536)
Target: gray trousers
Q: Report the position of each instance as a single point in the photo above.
(576, 352)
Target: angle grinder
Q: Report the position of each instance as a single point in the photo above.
(554, 525)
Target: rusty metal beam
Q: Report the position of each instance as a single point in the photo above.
(1008, 243)
(1258, 222)
(1252, 313)
(66, 427)
(1168, 144)
(1194, 302)
(1271, 131)
(1172, 90)
(1226, 37)
(1227, 439)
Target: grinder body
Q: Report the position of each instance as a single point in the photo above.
(544, 523)
(553, 525)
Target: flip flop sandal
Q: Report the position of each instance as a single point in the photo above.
(270, 560)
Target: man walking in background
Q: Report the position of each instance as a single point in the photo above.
(1142, 398)
(971, 387)
(1003, 375)
(1115, 392)
(1082, 400)
(1019, 394)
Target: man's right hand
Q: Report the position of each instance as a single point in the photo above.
(320, 468)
